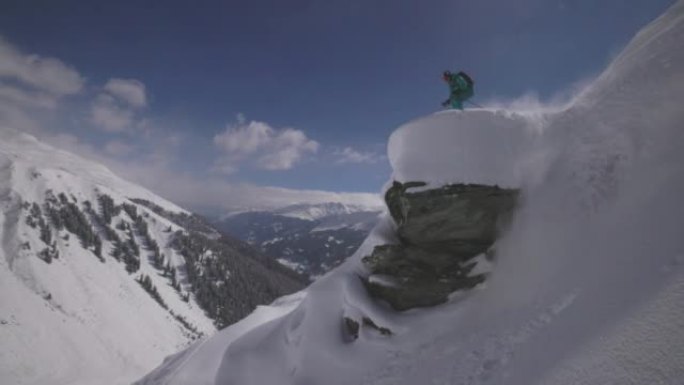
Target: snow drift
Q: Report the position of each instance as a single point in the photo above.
(589, 280)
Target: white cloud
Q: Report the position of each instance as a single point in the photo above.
(44, 74)
(349, 155)
(117, 107)
(31, 85)
(130, 91)
(262, 146)
(110, 115)
(27, 98)
(244, 138)
(286, 148)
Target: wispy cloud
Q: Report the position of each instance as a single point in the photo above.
(109, 115)
(350, 155)
(40, 73)
(261, 146)
(117, 107)
(31, 83)
(130, 91)
(27, 98)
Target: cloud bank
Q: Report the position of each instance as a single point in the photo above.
(261, 146)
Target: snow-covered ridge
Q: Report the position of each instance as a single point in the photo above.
(313, 212)
(70, 313)
(588, 283)
(100, 278)
(27, 152)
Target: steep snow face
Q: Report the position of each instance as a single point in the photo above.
(589, 280)
(74, 317)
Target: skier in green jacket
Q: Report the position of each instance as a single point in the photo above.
(460, 88)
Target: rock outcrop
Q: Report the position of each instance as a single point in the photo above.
(440, 231)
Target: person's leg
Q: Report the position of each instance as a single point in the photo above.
(456, 103)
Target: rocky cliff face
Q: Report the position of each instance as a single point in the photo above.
(440, 231)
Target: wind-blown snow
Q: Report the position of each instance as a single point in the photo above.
(588, 284)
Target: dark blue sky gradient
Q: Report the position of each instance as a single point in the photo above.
(345, 72)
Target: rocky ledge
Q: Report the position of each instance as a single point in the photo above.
(440, 233)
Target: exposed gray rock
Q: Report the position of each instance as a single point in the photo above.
(463, 219)
(381, 329)
(439, 230)
(350, 329)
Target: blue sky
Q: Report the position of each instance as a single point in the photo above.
(298, 94)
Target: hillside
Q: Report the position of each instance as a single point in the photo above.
(101, 279)
(310, 238)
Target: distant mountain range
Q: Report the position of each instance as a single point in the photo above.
(309, 238)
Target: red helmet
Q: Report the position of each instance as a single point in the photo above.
(446, 75)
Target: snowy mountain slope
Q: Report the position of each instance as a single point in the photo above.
(93, 287)
(589, 279)
(75, 320)
(311, 239)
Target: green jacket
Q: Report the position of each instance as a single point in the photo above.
(460, 90)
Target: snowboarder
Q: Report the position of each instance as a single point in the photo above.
(460, 88)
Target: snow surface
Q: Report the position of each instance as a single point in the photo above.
(78, 320)
(480, 146)
(588, 284)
